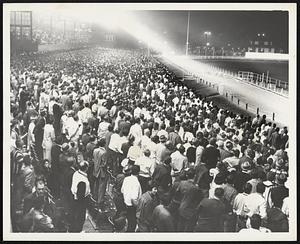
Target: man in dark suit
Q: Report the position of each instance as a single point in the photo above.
(100, 172)
(163, 220)
(55, 153)
(66, 191)
(211, 213)
(211, 155)
(24, 97)
(162, 176)
(39, 134)
(280, 191)
(190, 198)
(202, 178)
(40, 190)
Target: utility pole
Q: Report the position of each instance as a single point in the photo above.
(187, 35)
(64, 28)
(51, 25)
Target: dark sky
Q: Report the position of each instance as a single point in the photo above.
(235, 27)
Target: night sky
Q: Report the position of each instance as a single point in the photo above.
(234, 27)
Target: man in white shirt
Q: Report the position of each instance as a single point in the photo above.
(147, 166)
(136, 131)
(255, 203)
(137, 111)
(30, 135)
(179, 161)
(103, 128)
(239, 206)
(81, 191)
(85, 113)
(115, 151)
(50, 105)
(44, 99)
(145, 141)
(132, 191)
(73, 128)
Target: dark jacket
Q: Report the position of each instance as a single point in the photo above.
(211, 216)
(241, 178)
(210, 156)
(162, 220)
(202, 177)
(162, 176)
(277, 220)
(190, 199)
(278, 193)
(29, 200)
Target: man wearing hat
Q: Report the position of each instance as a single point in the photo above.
(280, 191)
(248, 157)
(242, 175)
(24, 97)
(227, 150)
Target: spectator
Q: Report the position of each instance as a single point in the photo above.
(144, 211)
(190, 198)
(211, 213)
(147, 166)
(255, 203)
(132, 191)
(81, 192)
(100, 172)
(239, 207)
(162, 217)
(254, 226)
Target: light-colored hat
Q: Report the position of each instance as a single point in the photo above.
(65, 146)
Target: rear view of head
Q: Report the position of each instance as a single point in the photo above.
(255, 221)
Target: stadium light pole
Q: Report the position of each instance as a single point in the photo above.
(207, 33)
(187, 35)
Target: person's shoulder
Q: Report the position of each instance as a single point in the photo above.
(30, 197)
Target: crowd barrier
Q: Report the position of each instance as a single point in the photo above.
(232, 97)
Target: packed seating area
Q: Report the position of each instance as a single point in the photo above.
(83, 118)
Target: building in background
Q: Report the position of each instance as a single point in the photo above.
(261, 44)
(21, 32)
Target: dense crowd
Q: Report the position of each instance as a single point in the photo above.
(178, 162)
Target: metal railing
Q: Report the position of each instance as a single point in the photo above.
(216, 57)
(235, 98)
(225, 92)
(265, 82)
